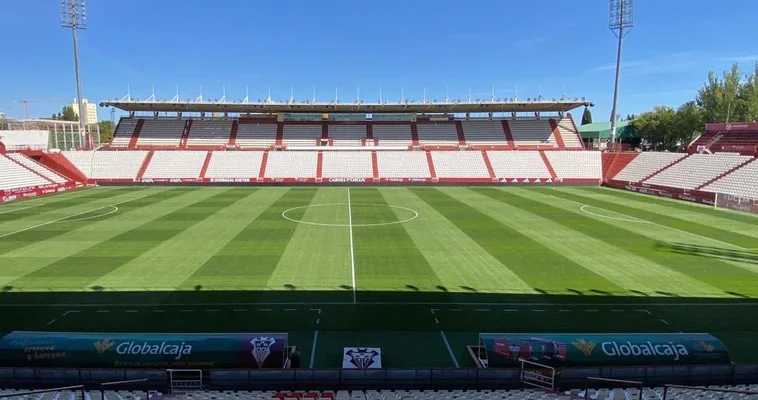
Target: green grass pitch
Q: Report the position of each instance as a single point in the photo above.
(417, 271)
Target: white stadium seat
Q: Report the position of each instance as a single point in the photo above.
(13, 176)
(36, 167)
(532, 132)
(347, 164)
(402, 164)
(301, 135)
(291, 164)
(393, 135)
(437, 133)
(485, 132)
(571, 138)
(459, 164)
(175, 164)
(210, 132)
(108, 164)
(645, 164)
(696, 170)
(347, 135)
(518, 164)
(256, 134)
(576, 164)
(742, 182)
(234, 164)
(161, 132)
(123, 134)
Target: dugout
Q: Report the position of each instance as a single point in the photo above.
(145, 350)
(506, 350)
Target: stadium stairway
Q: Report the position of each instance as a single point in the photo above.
(62, 166)
(205, 164)
(663, 169)
(279, 133)
(370, 131)
(508, 135)
(136, 133)
(414, 134)
(459, 131)
(185, 134)
(725, 173)
(557, 133)
(233, 133)
(145, 163)
(550, 169)
(613, 163)
(375, 164)
(319, 165)
(488, 164)
(262, 171)
(430, 161)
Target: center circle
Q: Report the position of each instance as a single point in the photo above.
(412, 214)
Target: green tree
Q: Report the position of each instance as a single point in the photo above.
(106, 131)
(656, 127)
(586, 116)
(688, 122)
(719, 97)
(68, 114)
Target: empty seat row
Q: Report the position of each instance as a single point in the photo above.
(14, 176)
(161, 132)
(696, 170)
(210, 132)
(123, 134)
(646, 164)
(107, 164)
(37, 167)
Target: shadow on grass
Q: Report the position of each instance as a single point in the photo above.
(718, 253)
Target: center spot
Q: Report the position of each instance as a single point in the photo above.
(342, 214)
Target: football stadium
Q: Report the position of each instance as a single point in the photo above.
(487, 249)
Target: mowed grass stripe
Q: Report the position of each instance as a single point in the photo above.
(693, 215)
(86, 266)
(249, 259)
(173, 261)
(534, 263)
(456, 259)
(58, 202)
(682, 205)
(649, 241)
(660, 219)
(386, 258)
(555, 227)
(17, 242)
(310, 245)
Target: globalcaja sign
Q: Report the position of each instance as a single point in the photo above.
(154, 350)
(600, 350)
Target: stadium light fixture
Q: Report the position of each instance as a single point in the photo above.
(74, 16)
(621, 20)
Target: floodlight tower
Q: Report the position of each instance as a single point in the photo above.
(74, 16)
(621, 21)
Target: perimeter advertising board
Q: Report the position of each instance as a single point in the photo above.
(738, 203)
(601, 350)
(143, 350)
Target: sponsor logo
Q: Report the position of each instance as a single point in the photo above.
(162, 348)
(61, 189)
(394, 179)
(584, 346)
(347, 180)
(48, 191)
(362, 358)
(613, 349)
(174, 180)
(419, 180)
(709, 348)
(147, 180)
(262, 349)
(101, 346)
(30, 194)
(9, 198)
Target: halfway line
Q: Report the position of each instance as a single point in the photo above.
(352, 248)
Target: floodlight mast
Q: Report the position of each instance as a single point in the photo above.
(620, 22)
(74, 16)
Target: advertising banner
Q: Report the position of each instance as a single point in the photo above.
(143, 350)
(601, 350)
(738, 203)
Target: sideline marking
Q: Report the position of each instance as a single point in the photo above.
(630, 219)
(69, 216)
(115, 210)
(352, 249)
(449, 350)
(664, 321)
(52, 321)
(313, 350)
(415, 214)
(645, 311)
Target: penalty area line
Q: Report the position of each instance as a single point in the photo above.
(352, 247)
(313, 350)
(449, 350)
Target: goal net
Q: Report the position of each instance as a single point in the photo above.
(738, 203)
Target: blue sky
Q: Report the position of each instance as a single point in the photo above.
(554, 45)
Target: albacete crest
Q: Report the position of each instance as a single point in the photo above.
(362, 358)
(101, 346)
(262, 349)
(584, 346)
